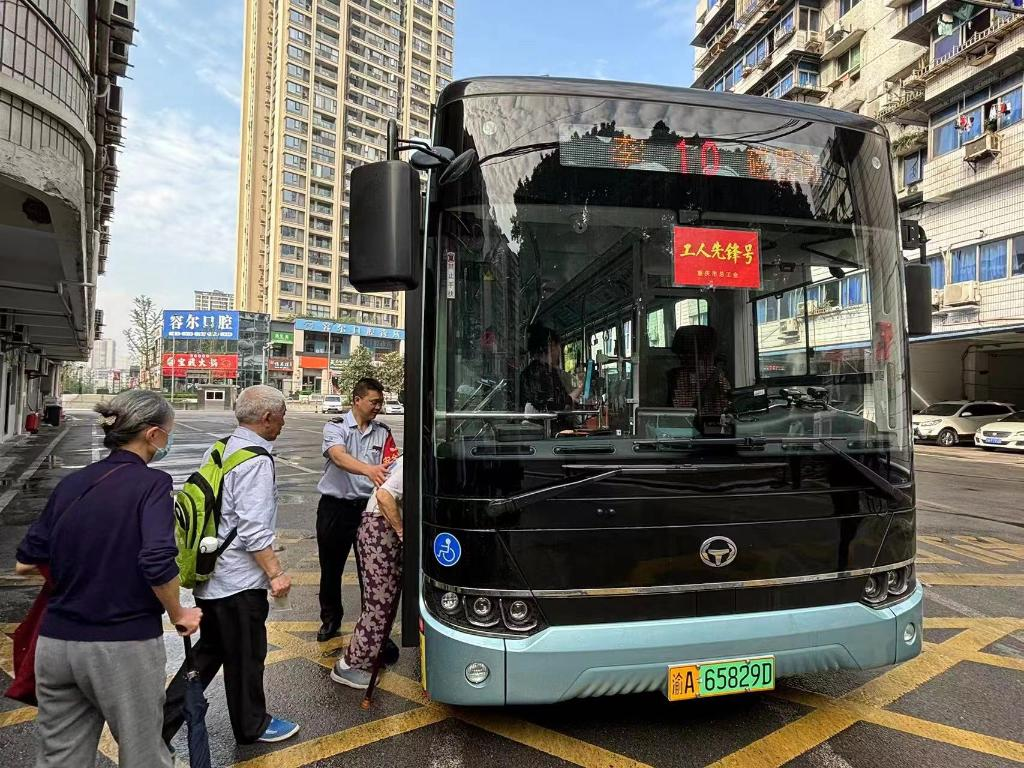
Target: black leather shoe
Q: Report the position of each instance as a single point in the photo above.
(328, 630)
(390, 653)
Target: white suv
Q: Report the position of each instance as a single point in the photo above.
(332, 404)
(949, 422)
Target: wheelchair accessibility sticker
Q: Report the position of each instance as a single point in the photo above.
(447, 549)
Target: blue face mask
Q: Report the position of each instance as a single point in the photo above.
(162, 452)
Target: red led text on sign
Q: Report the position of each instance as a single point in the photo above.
(720, 258)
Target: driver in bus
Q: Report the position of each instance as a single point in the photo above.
(699, 381)
(540, 383)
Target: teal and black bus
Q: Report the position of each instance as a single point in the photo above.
(657, 400)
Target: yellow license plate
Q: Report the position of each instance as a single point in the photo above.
(721, 678)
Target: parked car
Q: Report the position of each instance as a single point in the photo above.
(1006, 433)
(332, 404)
(393, 406)
(949, 422)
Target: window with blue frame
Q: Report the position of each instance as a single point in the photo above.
(846, 5)
(1013, 108)
(964, 265)
(992, 260)
(808, 76)
(938, 267)
(737, 72)
(787, 305)
(767, 310)
(915, 10)
(913, 168)
(1017, 268)
(853, 290)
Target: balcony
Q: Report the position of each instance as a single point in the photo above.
(989, 156)
(908, 140)
(919, 31)
(975, 59)
(755, 12)
(904, 106)
(707, 20)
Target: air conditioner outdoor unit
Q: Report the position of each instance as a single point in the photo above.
(119, 50)
(835, 33)
(984, 146)
(789, 327)
(33, 361)
(783, 36)
(938, 294)
(958, 294)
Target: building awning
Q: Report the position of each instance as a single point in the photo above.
(843, 45)
(980, 333)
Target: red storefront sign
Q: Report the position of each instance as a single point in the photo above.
(187, 364)
(719, 258)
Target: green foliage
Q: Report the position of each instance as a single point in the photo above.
(391, 372)
(358, 365)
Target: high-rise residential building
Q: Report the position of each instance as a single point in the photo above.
(321, 80)
(945, 79)
(104, 355)
(61, 111)
(214, 301)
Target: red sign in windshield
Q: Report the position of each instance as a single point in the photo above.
(716, 258)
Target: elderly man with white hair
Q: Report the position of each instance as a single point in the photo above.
(234, 599)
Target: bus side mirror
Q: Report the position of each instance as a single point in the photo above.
(384, 244)
(918, 279)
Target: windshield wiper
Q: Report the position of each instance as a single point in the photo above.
(881, 483)
(499, 506)
(689, 443)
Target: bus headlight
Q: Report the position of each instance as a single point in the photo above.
(483, 614)
(887, 587)
(518, 614)
(450, 602)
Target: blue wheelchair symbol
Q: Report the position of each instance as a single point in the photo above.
(447, 549)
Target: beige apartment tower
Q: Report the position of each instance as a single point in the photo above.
(321, 78)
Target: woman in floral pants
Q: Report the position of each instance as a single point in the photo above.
(379, 549)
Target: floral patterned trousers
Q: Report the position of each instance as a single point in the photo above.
(380, 554)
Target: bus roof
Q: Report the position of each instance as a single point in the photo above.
(564, 86)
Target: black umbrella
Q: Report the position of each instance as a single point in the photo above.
(195, 714)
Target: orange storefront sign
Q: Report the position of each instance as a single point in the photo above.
(719, 258)
(313, 363)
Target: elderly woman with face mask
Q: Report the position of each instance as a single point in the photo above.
(107, 535)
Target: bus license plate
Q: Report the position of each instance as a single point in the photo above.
(720, 678)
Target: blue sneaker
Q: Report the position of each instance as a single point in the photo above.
(278, 730)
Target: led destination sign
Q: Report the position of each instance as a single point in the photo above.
(628, 148)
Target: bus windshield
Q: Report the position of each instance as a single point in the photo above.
(644, 276)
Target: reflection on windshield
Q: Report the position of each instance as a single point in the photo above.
(941, 409)
(566, 310)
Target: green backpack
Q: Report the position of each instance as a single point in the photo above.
(197, 512)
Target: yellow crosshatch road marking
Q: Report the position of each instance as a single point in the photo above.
(984, 549)
(972, 579)
(931, 558)
(829, 716)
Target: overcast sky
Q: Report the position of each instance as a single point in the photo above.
(174, 223)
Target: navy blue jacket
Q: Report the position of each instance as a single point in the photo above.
(107, 553)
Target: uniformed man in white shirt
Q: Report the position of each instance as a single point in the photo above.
(354, 448)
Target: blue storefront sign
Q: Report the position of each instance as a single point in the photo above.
(196, 324)
(349, 329)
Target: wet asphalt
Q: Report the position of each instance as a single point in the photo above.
(960, 703)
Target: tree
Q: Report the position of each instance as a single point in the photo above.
(143, 334)
(391, 373)
(356, 366)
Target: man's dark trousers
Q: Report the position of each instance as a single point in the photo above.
(337, 522)
(233, 634)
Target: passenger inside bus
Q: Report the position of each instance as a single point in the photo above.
(540, 383)
(699, 381)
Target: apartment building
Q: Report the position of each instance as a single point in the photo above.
(213, 301)
(321, 80)
(945, 78)
(60, 126)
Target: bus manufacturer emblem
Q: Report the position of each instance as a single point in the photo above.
(718, 551)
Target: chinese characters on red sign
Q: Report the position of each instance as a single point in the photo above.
(182, 364)
(719, 258)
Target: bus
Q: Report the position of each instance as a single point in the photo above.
(657, 413)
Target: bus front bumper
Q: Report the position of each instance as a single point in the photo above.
(568, 662)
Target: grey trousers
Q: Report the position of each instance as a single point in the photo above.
(80, 685)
